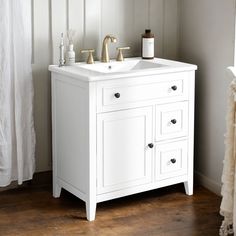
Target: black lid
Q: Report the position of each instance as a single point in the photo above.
(147, 31)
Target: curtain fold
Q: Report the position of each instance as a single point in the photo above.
(17, 135)
(228, 190)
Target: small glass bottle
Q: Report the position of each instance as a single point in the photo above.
(148, 45)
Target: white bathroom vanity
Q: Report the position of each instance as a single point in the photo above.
(121, 128)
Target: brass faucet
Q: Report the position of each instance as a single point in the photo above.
(105, 55)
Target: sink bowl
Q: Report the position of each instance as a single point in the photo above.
(125, 66)
(131, 67)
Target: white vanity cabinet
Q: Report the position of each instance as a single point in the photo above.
(116, 135)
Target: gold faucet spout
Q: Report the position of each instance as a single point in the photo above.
(105, 54)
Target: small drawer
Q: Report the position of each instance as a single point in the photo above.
(125, 93)
(171, 160)
(171, 120)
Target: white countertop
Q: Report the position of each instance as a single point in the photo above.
(76, 71)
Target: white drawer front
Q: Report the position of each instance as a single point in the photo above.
(171, 160)
(171, 120)
(118, 95)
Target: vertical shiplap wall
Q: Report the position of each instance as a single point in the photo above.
(67, 14)
(127, 20)
(92, 20)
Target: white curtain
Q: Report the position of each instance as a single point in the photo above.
(228, 191)
(17, 137)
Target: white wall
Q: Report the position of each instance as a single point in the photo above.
(92, 20)
(207, 39)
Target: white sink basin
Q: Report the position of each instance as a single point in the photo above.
(131, 67)
(125, 66)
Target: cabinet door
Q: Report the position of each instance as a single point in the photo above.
(123, 156)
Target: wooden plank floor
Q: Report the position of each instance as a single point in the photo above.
(163, 212)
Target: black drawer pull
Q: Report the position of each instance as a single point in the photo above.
(150, 145)
(173, 160)
(173, 121)
(174, 88)
(117, 95)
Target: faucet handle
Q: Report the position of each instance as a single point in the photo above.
(90, 56)
(120, 54)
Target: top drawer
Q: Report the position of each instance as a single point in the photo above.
(125, 93)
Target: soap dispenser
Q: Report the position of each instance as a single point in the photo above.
(148, 45)
(70, 55)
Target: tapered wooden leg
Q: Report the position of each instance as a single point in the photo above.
(56, 190)
(188, 185)
(91, 210)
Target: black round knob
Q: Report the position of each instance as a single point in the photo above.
(150, 145)
(173, 121)
(173, 160)
(117, 95)
(174, 87)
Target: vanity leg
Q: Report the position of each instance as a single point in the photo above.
(91, 210)
(56, 190)
(188, 185)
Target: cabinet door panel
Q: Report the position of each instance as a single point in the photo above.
(124, 159)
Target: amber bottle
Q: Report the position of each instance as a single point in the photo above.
(148, 45)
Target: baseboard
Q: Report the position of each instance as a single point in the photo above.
(39, 179)
(208, 183)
